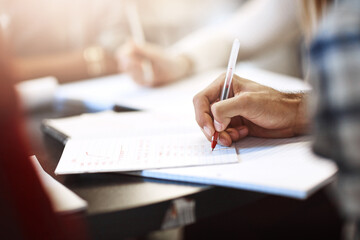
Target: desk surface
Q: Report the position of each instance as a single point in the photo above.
(120, 205)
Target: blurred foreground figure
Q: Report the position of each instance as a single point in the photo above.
(75, 40)
(26, 211)
(268, 30)
(335, 72)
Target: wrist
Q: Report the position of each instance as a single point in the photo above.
(301, 125)
(183, 66)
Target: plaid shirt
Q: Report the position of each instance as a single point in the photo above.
(335, 74)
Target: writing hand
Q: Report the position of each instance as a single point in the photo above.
(252, 109)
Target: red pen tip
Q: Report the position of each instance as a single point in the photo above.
(214, 140)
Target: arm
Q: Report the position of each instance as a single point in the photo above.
(65, 67)
(259, 24)
(335, 61)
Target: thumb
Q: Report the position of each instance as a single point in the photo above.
(224, 110)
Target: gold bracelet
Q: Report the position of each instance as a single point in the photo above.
(94, 57)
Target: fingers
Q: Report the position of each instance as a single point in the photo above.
(202, 102)
(225, 110)
(203, 116)
(230, 135)
(258, 131)
(211, 115)
(131, 60)
(130, 50)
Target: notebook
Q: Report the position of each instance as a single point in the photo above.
(117, 142)
(141, 152)
(285, 167)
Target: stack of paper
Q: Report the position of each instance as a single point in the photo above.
(283, 167)
(139, 153)
(278, 166)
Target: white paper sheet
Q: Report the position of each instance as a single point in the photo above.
(109, 124)
(37, 93)
(138, 153)
(279, 166)
(104, 93)
(62, 199)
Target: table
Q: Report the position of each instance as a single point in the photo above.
(120, 205)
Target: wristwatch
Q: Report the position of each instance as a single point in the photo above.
(94, 57)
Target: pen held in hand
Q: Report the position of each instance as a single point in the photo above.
(138, 36)
(227, 82)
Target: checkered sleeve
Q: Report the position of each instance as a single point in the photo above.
(335, 74)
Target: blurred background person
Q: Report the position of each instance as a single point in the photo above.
(269, 33)
(27, 211)
(74, 40)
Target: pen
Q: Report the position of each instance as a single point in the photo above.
(227, 84)
(138, 35)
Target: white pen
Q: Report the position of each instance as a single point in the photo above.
(227, 84)
(138, 35)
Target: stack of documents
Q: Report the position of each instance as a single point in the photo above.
(278, 166)
(117, 142)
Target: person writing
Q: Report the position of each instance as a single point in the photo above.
(252, 109)
(256, 110)
(265, 27)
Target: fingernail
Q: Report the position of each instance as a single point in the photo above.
(243, 131)
(233, 134)
(218, 126)
(223, 142)
(207, 130)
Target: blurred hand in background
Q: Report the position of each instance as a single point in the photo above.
(166, 67)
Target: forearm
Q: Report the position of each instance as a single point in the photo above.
(259, 24)
(65, 67)
(205, 49)
(263, 24)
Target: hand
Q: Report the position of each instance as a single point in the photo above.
(251, 109)
(166, 68)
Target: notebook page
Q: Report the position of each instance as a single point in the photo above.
(139, 153)
(62, 199)
(105, 92)
(120, 89)
(279, 166)
(110, 124)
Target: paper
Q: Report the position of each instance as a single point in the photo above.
(138, 153)
(109, 124)
(284, 167)
(274, 80)
(37, 93)
(279, 166)
(104, 93)
(62, 199)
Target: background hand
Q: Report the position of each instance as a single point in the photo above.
(166, 67)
